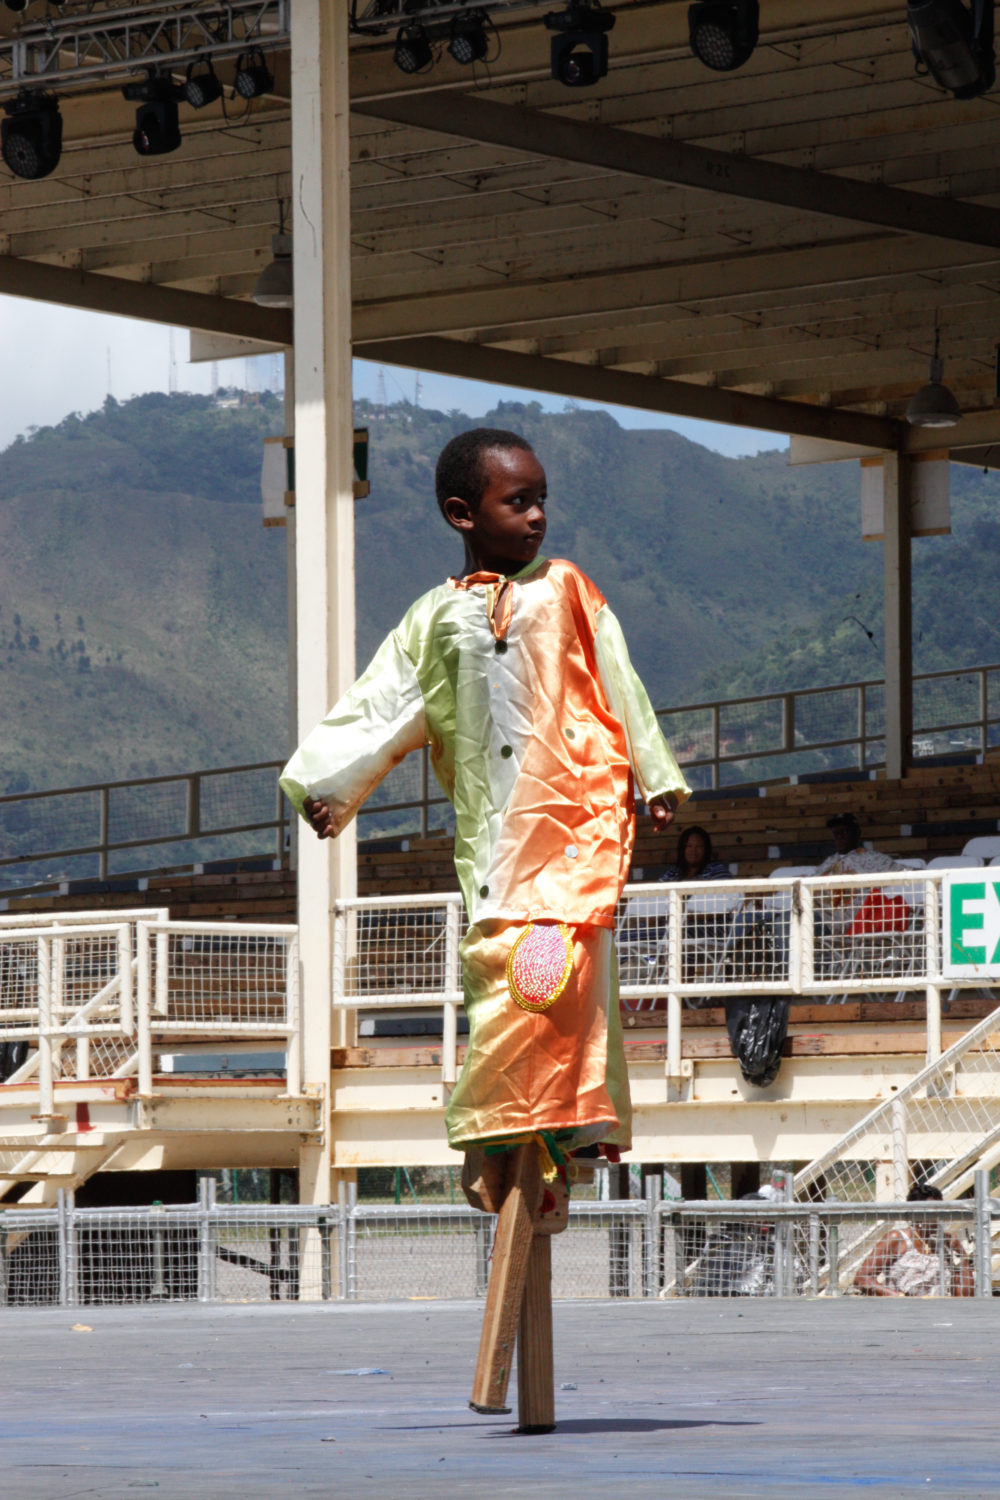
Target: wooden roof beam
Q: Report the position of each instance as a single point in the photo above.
(720, 172)
(138, 299)
(623, 388)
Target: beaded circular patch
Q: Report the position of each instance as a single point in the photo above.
(539, 965)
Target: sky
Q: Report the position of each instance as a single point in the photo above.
(62, 360)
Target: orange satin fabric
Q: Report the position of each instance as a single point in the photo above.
(563, 1068)
(574, 791)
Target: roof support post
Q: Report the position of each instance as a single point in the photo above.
(896, 470)
(324, 503)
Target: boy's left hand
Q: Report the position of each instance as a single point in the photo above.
(661, 813)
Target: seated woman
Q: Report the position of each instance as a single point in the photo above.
(704, 930)
(694, 858)
(906, 1262)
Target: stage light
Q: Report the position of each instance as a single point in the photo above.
(274, 284)
(467, 41)
(31, 135)
(579, 57)
(954, 44)
(934, 405)
(253, 76)
(201, 86)
(723, 33)
(16, 5)
(156, 129)
(413, 49)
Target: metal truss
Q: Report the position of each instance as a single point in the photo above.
(376, 17)
(116, 42)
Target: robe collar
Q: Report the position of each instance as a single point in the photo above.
(498, 587)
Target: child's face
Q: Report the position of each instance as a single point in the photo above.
(506, 529)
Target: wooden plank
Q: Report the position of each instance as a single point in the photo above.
(536, 1408)
(511, 1252)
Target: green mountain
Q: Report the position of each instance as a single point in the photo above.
(143, 605)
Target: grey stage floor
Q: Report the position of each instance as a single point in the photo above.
(754, 1398)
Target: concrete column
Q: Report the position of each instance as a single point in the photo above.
(291, 584)
(898, 616)
(324, 471)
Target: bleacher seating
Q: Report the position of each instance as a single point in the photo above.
(930, 814)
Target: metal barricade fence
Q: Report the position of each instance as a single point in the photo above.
(351, 1251)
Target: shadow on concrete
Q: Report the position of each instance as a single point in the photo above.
(624, 1424)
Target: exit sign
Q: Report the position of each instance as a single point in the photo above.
(970, 926)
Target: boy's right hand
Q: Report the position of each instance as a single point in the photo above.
(320, 817)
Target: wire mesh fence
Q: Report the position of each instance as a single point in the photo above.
(946, 1118)
(635, 1248)
(214, 973)
(401, 950)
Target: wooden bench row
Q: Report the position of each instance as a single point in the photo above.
(930, 812)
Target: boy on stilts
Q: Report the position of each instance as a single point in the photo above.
(517, 675)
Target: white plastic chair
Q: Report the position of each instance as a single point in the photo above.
(955, 862)
(912, 862)
(985, 848)
(791, 872)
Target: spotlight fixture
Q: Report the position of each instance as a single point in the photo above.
(579, 56)
(723, 33)
(16, 5)
(274, 284)
(156, 129)
(253, 76)
(201, 86)
(954, 44)
(934, 405)
(467, 41)
(413, 49)
(31, 135)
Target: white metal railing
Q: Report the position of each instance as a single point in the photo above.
(123, 990)
(48, 994)
(947, 1115)
(680, 947)
(217, 982)
(156, 823)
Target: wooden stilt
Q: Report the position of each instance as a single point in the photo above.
(536, 1407)
(511, 1249)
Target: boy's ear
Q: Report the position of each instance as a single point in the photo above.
(458, 513)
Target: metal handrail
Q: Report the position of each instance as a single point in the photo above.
(869, 732)
(134, 1002)
(808, 966)
(754, 754)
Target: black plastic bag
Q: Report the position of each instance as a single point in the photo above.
(757, 1029)
(12, 1055)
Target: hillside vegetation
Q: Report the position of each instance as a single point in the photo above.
(143, 607)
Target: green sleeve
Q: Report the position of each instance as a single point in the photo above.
(653, 764)
(373, 726)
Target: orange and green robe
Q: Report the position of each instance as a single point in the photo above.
(539, 729)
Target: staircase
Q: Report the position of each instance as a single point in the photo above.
(101, 1001)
